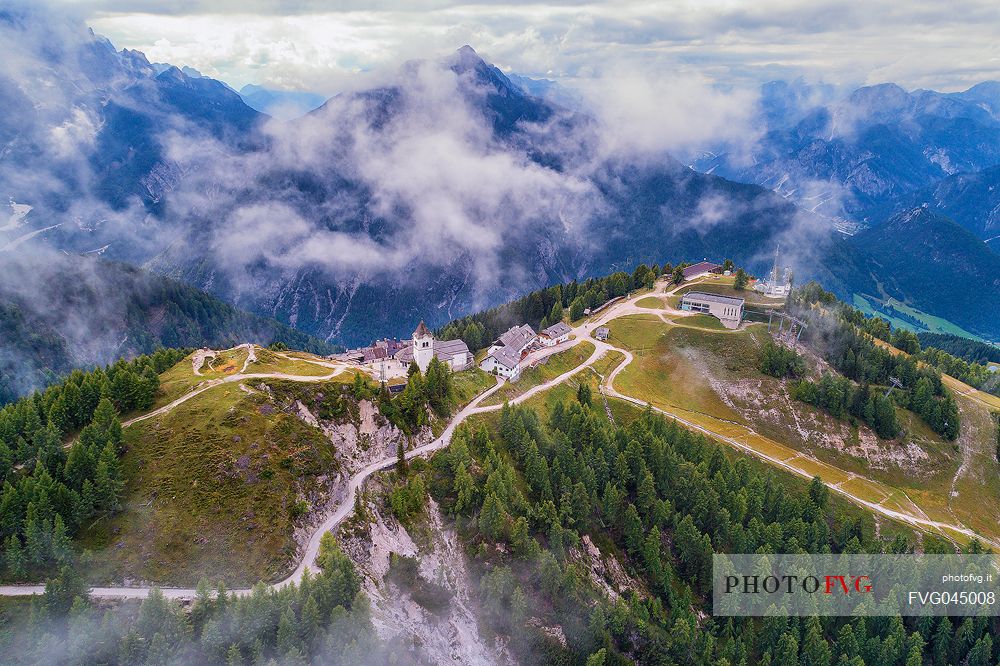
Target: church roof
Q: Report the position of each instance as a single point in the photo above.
(422, 331)
(444, 350)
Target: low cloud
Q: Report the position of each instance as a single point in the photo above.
(419, 183)
(655, 113)
(424, 185)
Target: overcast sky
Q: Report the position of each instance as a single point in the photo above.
(320, 46)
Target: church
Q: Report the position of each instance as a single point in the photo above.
(390, 358)
(424, 347)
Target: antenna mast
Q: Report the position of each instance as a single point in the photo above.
(774, 271)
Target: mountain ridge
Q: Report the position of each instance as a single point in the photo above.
(876, 142)
(928, 261)
(78, 312)
(446, 190)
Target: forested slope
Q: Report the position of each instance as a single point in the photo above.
(68, 311)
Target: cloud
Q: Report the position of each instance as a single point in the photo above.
(308, 45)
(407, 178)
(654, 113)
(75, 134)
(425, 185)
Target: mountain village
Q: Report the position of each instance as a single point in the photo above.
(388, 359)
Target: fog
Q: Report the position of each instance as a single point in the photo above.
(422, 192)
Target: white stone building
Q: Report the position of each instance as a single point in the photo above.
(554, 334)
(424, 347)
(727, 309)
(504, 362)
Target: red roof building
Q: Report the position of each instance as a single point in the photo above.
(700, 268)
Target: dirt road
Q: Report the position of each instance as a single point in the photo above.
(580, 333)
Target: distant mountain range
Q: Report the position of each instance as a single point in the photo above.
(453, 188)
(844, 157)
(970, 199)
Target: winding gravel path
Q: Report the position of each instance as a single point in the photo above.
(582, 332)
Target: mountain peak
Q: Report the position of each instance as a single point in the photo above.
(172, 73)
(882, 94)
(466, 59)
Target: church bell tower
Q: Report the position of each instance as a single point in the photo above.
(423, 346)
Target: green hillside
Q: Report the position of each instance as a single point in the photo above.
(75, 312)
(587, 523)
(921, 262)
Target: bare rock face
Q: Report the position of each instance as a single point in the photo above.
(357, 441)
(554, 632)
(447, 634)
(450, 636)
(369, 439)
(606, 572)
(303, 413)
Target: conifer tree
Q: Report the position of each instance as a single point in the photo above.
(556, 313)
(309, 622)
(88, 501)
(108, 483)
(36, 535)
(107, 423)
(130, 648)
(80, 463)
(815, 649)
(941, 643)
(6, 461)
(401, 464)
(786, 651)
(15, 557)
(62, 548)
(465, 489)
(287, 637)
(492, 517)
(61, 591)
(633, 530)
(233, 656)
(646, 494)
(741, 280)
(49, 449)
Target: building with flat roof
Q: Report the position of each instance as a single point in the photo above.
(727, 309)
